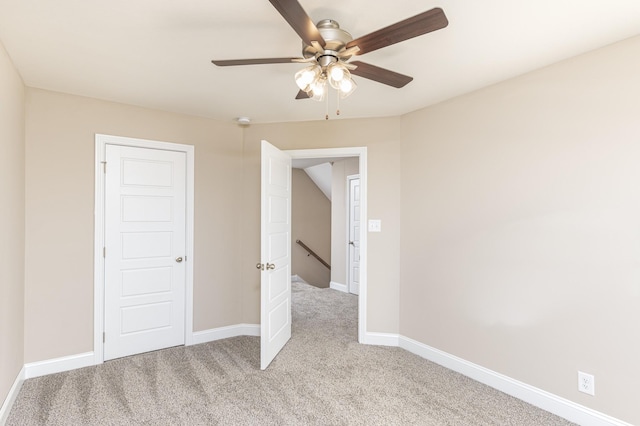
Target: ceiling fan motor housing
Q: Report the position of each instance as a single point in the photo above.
(336, 39)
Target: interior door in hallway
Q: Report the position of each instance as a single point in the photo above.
(145, 245)
(275, 252)
(354, 234)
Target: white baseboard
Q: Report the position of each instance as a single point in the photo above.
(338, 286)
(11, 396)
(66, 363)
(58, 365)
(381, 339)
(225, 332)
(547, 401)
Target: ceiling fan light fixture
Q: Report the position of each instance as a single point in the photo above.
(346, 87)
(307, 76)
(336, 73)
(329, 47)
(318, 90)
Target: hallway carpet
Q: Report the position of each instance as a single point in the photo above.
(321, 377)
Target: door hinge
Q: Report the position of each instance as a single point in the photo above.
(104, 166)
(104, 337)
(104, 252)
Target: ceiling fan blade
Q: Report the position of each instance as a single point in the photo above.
(304, 60)
(380, 75)
(318, 47)
(347, 53)
(233, 62)
(302, 95)
(294, 14)
(418, 25)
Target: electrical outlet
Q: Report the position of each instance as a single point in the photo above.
(586, 383)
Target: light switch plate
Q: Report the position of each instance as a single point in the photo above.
(375, 225)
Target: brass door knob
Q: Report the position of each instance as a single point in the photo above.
(271, 266)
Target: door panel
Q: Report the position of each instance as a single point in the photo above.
(275, 315)
(151, 316)
(146, 245)
(146, 281)
(145, 233)
(146, 209)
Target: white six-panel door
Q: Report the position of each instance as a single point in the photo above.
(145, 246)
(354, 235)
(275, 263)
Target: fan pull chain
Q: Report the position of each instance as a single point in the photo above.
(338, 104)
(326, 111)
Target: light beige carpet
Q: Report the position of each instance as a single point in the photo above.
(322, 377)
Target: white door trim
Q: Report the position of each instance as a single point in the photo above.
(98, 261)
(361, 153)
(348, 204)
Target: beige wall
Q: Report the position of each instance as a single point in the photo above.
(521, 227)
(60, 131)
(11, 224)
(339, 205)
(311, 223)
(381, 137)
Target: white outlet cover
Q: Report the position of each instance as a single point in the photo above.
(375, 225)
(586, 383)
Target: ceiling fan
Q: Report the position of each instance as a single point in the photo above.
(327, 49)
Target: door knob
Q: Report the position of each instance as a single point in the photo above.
(351, 242)
(271, 266)
(178, 259)
(260, 266)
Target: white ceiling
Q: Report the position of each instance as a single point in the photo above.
(157, 53)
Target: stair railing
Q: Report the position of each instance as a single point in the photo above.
(313, 253)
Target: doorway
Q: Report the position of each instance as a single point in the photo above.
(332, 154)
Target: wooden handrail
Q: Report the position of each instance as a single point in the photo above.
(313, 253)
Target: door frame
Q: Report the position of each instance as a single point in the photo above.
(348, 204)
(101, 141)
(361, 154)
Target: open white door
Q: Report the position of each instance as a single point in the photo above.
(275, 253)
